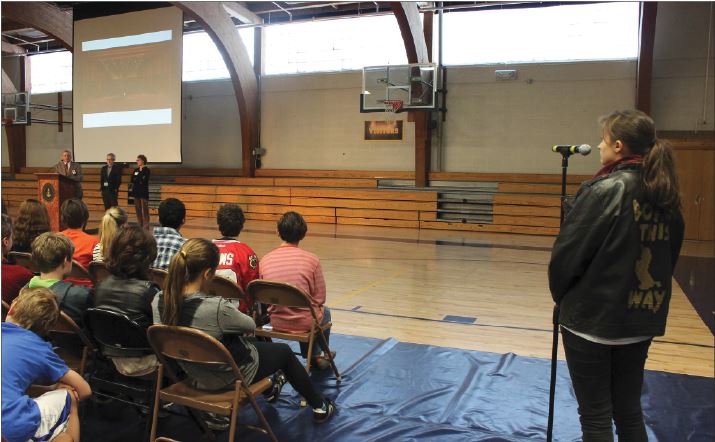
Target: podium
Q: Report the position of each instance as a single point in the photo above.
(54, 189)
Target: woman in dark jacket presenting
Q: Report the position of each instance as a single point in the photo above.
(611, 270)
(140, 191)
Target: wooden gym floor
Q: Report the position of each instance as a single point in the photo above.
(476, 291)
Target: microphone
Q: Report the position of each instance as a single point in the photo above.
(583, 149)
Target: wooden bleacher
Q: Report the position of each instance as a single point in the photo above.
(512, 203)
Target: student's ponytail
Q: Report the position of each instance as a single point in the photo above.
(659, 180)
(195, 256)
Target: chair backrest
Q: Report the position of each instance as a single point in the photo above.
(5, 310)
(116, 334)
(186, 344)
(278, 293)
(158, 276)
(67, 335)
(98, 271)
(78, 272)
(23, 259)
(225, 288)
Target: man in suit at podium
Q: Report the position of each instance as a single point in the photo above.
(71, 170)
(110, 178)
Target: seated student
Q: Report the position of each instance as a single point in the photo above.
(113, 219)
(73, 216)
(14, 277)
(52, 255)
(129, 290)
(28, 359)
(172, 215)
(238, 262)
(185, 302)
(32, 220)
(300, 268)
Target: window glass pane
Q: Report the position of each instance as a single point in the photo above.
(51, 72)
(202, 60)
(333, 45)
(602, 31)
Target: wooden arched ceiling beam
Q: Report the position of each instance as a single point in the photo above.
(218, 24)
(408, 18)
(43, 17)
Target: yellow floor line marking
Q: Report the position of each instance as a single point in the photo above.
(354, 293)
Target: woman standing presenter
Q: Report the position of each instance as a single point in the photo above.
(140, 191)
(611, 270)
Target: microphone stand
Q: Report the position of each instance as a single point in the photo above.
(555, 338)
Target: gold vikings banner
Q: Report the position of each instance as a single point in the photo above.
(383, 130)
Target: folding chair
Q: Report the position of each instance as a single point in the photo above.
(117, 335)
(189, 345)
(286, 295)
(158, 276)
(71, 344)
(23, 259)
(228, 289)
(98, 271)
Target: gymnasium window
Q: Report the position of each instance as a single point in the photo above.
(202, 60)
(333, 45)
(601, 31)
(51, 72)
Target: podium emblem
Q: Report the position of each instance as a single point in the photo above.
(48, 192)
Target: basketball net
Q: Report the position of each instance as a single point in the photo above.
(392, 107)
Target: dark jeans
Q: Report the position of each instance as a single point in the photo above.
(607, 380)
(318, 344)
(109, 197)
(274, 356)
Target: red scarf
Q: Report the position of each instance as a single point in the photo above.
(608, 168)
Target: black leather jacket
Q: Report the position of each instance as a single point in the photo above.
(132, 297)
(612, 265)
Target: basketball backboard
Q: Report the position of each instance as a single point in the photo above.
(16, 108)
(413, 84)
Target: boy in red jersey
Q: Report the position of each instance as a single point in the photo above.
(237, 262)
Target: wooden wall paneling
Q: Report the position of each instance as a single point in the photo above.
(378, 214)
(527, 200)
(505, 209)
(363, 204)
(312, 173)
(706, 221)
(688, 165)
(326, 182)
(365, 194)
(379, 222)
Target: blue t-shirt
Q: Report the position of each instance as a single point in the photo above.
(26, 360)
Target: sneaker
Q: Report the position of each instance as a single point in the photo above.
(321, 362)
(279, 379)
(217, 422)
(321, 415)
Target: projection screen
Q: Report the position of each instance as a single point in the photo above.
(127, 86)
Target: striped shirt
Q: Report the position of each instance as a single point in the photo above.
(298, 267)
(168, 242)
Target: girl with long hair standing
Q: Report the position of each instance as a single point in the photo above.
(611, 270)
(185, 302)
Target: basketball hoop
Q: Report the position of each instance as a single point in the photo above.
(393, 106)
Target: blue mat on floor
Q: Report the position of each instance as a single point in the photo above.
(395, 391)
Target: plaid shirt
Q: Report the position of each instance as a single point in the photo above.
(168, 242)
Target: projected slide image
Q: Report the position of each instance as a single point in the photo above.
(127, 91)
